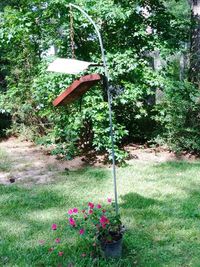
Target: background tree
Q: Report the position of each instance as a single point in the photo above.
(30, 28)
(195, 43)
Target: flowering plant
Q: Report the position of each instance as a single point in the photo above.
(94, 221)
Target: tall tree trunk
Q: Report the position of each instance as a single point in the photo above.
(194, 73)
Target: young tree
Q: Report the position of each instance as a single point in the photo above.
(194, 73)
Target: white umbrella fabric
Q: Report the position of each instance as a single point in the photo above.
(69, 66)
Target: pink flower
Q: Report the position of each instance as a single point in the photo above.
(103, 211)
(72, 222)
(109, 200)
(104, 220)
(98, 206)
(51, 249)
(83, 211)
(70, 212)
(75, 210)
(83, 255)
(57, 240)
(91, 205)
(90, 211)
(54, 226)
(81, 231)
(60, 253)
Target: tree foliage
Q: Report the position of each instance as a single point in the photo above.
(195, 43)
(131, 31)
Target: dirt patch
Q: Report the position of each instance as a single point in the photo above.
(156, 155)
(30, 164)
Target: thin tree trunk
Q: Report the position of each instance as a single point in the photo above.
(181, 67)
(194, 73)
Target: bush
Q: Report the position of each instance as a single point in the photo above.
(179, 116)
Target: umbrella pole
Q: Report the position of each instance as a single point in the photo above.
(109, 101)
(112, 144)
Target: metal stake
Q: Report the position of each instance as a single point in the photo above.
(109, 99)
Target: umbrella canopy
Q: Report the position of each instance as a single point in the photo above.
(69, 66)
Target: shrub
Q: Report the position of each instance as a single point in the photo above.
(179, 116)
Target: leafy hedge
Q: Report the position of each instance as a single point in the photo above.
(30, 28)
(179, 117)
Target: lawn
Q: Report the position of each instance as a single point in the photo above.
(5, 162)
(159, 204)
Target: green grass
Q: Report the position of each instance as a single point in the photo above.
(5, 162)
(159, 204)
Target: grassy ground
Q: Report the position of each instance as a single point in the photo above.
(159, 204)
(5, 162)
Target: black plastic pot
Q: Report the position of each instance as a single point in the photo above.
(112, 250)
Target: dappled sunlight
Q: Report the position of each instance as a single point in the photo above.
(149, 185)
(86, 182)
(162, 224)
(87, 88)
(4, 198)
(13, 227)
(46, 215)
(179, 165)
(160, 211)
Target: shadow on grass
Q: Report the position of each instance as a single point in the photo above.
(162, 233)
(190, 208)
(178, 165)
(26, 217)
(21, 199)
(136, 201)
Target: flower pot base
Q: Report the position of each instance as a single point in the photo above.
(112, 250)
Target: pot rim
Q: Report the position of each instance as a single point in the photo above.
(113, 241)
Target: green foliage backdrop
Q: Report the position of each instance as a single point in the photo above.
(131, 30)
